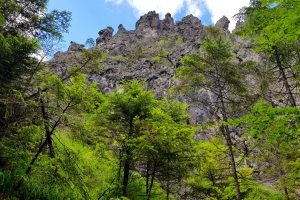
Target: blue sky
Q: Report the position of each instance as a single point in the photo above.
(90, 16)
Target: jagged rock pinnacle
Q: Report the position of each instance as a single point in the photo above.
(150, 26)
(105, 35)
(150, 20)
(223, 24)
(121, 29)
(167, 23)
(189, 27)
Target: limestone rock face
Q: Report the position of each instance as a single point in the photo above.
(150, 53)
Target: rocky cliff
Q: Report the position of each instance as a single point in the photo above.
(150, 53)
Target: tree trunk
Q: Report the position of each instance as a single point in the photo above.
(285, 79)
(47, 130)
(126, 172)
(282, 174)
(232, 162)
(147, 180)
(168, 191)
(50, 145)
(3, 123)
(119, 170)
(152, 180)
(19, 183)
(127, 161)
(286, 192)
(226, 133)
(35, 157)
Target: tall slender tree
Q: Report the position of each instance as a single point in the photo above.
(128, 104)
(214, 71)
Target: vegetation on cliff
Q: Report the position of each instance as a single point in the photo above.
(64, 136)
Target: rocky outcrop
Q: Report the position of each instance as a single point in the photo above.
(148, 21)
(223, 24)
(121, 29)
(150, 53)
(149, 26)
(75, 46)
(167, 23)
(105, 35)
(190, 28)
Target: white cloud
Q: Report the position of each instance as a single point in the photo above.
(164, 6)
(118, 2)
(217, 8)
(195, 7)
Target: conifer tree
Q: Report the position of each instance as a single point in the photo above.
(131, 103)
(214, 71)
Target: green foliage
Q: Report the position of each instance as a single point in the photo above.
(24, 25)
(167, 42)
(29, 19)
(131, 102)
(53, 24)
(152, 131)
(273, 26)
(213, 67)
(179, 39)
(15, 58)
(77, 93)
(137, 53)
(208, 179)
(166, 142)
(76, 173)
(137, 188)
(158, 59)
(276, 132)
(119, 58)
(213, 70)
(164, 53)
(278, 124)
(69, 174)
(285, 20)
(96, 137)
(264, 193)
